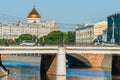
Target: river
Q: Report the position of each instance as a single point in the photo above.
(31, 71)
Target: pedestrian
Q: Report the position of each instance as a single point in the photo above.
(6, 42)
(43, 42)
(36, 42)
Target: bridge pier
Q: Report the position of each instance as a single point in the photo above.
(61, 61)
(116, 64)
(48, 64)
(54, 63)
(3, 71)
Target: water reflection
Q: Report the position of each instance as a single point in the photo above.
(8, 78)
(52, 77)
(80, 74)
(4, 78)
(116, 77)
(83, 78)
(22, 73)
(33, 73)
(60, 77)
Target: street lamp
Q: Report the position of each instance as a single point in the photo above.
(62, 36)
(10, 38)
(113, 26)
(36, 40)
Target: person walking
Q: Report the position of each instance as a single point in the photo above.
(36, 42)
(43, 42)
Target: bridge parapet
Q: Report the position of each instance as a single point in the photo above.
(20, 50)
(54, 49)
(93, 50)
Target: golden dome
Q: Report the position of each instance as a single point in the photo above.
(34, 14)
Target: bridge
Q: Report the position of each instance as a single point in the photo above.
(54, 49)
(54, 57)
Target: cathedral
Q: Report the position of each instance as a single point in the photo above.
(33, 26)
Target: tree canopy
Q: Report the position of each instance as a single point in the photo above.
(58, 37)
(26, 37)
(53, 37)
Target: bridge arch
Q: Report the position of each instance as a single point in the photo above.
(89, 60)
(115, 64)
(77, 61)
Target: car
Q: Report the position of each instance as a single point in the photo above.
(28, 43)
(97, 42)
(108, 44)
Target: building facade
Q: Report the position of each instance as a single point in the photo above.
(34, 26)
(113, 34)
(104, 36)
(86, 34)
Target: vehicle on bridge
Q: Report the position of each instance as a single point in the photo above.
(29, 43)
(97, 42)
(108, 44)
(103, 43)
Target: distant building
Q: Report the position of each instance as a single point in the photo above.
(86, 34)
(104, 36)
(33, 26)
(114, 20)
(33, 16)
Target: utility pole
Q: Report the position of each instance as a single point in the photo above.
(113, 27)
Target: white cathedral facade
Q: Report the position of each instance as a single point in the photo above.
(34, 26)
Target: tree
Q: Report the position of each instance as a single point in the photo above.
(2, 40)
(53, 37)
(60, 37)
(71, 37)
(25, 37)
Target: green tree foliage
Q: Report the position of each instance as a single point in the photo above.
(53, 37)
(65, 37)
(58, 37)
(2, 40)
(71, 37)
(25, 37)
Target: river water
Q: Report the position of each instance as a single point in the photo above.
(31, 71)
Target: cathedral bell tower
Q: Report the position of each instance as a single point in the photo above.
(33, 16)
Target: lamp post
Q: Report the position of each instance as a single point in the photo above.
(62, 44)
(113, 26)
(36, 40)
(10, 38)
(37, 32)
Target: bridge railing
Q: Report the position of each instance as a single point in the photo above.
(62, 44)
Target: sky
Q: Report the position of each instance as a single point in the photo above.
(63, 11)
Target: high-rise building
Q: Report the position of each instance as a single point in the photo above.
(113, 31)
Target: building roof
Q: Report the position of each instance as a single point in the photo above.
(34, 14)
(84, 26)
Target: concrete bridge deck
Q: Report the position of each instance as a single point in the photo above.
(53, 57)
(54, 49)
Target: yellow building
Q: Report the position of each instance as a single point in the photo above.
(99, 28)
